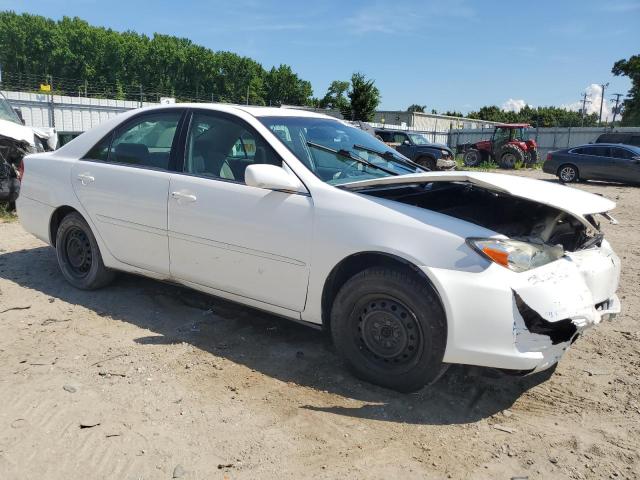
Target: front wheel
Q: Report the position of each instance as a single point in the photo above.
(78, 254)
(389, 327)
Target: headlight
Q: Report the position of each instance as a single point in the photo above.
(515, 255)
(445, 153)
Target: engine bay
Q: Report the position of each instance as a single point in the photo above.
(517, 218)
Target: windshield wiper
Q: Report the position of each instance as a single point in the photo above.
(389, 155)
(347, 154)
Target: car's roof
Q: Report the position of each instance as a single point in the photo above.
(256, 111)
(618, 145)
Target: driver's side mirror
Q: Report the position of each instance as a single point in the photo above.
(272, 177)
(406, 143)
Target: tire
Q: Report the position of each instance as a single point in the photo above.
(568, 173)
(78, 254)
(510, 155)
(532, 156)
(427, 162)
(472, 157)
(390, 329)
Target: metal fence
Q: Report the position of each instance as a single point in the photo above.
(548, 139)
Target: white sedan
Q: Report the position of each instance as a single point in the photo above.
(304, 216)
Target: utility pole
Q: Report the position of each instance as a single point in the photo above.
(604, 86)
(585, 100)
(615, 109)
(248, 93)
(141, 96)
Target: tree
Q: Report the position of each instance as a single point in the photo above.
(414, 107)
(117, 64)
(335, 98)
(364, 98)
(631, 106)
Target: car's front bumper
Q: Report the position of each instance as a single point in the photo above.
(445, 164)
(526, 321)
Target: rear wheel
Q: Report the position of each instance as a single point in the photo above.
(568, 173)
(472, 157)
(78, 254)
(389, 327)
(510, 155)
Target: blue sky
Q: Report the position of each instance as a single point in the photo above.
(446, 54)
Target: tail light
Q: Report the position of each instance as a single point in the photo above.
(21, 170)
(548, 157)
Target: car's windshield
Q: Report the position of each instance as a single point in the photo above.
(419, 139)
(7, 113)
(337, 153)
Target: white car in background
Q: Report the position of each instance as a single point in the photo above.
(304, 216)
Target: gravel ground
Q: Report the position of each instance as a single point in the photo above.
(149, 380)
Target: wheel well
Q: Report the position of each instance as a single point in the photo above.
(568, 164)
(356, 263)
(56, 218)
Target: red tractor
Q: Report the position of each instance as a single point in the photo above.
(508, 147)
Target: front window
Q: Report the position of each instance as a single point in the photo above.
(337, 153)
(7, 113)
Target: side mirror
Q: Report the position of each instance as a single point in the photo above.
(272, 177)
(407, 143)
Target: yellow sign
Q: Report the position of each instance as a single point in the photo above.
(45, 87)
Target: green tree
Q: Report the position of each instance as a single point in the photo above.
(336, 97)
(631, 106)
(414, 107)
(364, 98)
(117, 64)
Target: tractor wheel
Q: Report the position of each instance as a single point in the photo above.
(472, 157)
(532, 156)
(510, 155)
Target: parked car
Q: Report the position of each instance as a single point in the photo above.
(417, 147)
(626, 138)
(17, 140)
(303, 216)
(602, 161)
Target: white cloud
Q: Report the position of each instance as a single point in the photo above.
(513, 105)
(594, 97)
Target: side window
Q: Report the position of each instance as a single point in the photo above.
(146, 141)
(597, 151)
(100, 151)
(578, 151)
(621, 153)
(399, 137)
(220, 147)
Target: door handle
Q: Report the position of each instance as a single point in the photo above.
(86, 179)
(187, 197)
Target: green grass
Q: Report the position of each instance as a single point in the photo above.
(490, 165)
(6, 216)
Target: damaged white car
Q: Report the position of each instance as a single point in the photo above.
(16, 141)
(306, 217)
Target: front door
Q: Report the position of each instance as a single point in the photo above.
(123, 183)
(226, 235)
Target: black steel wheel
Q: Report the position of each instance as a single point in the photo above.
(390, 328)
(472, 157)
(78, 254)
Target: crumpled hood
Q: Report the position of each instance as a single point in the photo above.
(16, 132)
(567, 199)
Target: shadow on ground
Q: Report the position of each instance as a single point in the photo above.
(271, 345)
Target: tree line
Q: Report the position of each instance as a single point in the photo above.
(121, 64)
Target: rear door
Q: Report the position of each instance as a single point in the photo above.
(123, 185)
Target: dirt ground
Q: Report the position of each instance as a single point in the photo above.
(144, 380)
